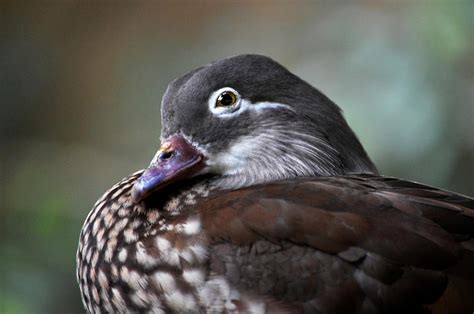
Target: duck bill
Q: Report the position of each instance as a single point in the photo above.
(176, 160)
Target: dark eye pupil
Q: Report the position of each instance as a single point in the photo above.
(226, 99)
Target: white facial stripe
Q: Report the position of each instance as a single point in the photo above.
(241, 105)
(260, 106)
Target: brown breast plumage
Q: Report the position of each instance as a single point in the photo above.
(321, 245)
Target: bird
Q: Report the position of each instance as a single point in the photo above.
(261, 199)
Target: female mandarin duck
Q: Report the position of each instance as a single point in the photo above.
(262, 199)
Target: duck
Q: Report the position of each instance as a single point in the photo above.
(261, 199)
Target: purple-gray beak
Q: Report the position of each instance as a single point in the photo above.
(176, 159)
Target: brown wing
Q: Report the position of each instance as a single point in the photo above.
(346, 244)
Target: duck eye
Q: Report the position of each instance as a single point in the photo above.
(226, 99)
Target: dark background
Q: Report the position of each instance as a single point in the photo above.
(81, 84)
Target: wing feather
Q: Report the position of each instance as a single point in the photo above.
(394, 244)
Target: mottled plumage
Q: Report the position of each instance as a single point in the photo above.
(271, 206)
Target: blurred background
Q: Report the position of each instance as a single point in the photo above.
(81, 84)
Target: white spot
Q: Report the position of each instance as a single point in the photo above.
(95, 227)
(88, 254)
(130, 235)
(86, 287)
(118, 300)
(106, 299)
(117, 193)
(156, 308)
(200, 252)
(123, 212)
(222, 285)
(136, 223)
(171, 257)
(162, 244)
(124, 274)
(114, 206)
(118, 227)
(89, 307)
(181, 302)
(143, 257)
(216, 295)
(86, 237)
(122, 255)
(114, 271)
(172, 204)
(100, 244)
(125, 201)
(195, 277)
(178, 228)
(256, 307)
(103, 282)
(92, 274)
(164, 281)
(189, 201)
(192, 226)
(108, 220)
(95, 294)
(100, 234)
(85, 274)
(110, 250)
(134, 208)
(140, 298)
(187, 255)
(137, 281)
(95, 258)
(199, 189)
(152, 216)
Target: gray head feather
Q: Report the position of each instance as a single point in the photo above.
(305, 134)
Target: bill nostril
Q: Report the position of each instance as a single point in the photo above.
(166, 155)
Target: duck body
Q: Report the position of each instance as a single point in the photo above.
(382, 244)
(261, 199)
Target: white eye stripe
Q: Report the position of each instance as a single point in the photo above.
(240, 105)
(260, 106)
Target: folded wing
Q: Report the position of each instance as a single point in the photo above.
(345, 244)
